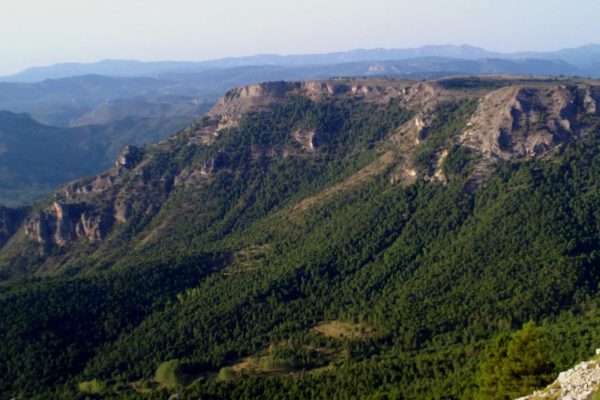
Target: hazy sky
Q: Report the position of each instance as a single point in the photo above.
(42, 32)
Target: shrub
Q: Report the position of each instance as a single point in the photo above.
(226, 374)
(170, 373)
(92, 387)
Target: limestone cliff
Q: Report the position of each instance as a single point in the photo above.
(520, 121)
(238, 101)
(87, 209)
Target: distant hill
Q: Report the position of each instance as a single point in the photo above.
(36, 158)
(584, 56)
(61, 102)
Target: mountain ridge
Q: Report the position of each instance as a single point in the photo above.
(583, 55)
(525, 118)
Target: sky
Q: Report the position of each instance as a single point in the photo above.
(43, 32)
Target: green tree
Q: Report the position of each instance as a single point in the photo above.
(515, 365)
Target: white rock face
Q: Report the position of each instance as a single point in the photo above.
(577, 383)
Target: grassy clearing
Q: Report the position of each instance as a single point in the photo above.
(246, 260)
(343, 330)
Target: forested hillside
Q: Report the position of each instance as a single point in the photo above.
(337, 239)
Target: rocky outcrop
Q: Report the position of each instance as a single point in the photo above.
(238, 101)
(63, 223)
(309, 139)
(260, 90)
(212, 165)
(86, 210)
(129, 157)
(521, 121)
(122, 210)
(516, 121)
(577, 383)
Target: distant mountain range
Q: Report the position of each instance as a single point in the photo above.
(91, 99)
(582, 59)
(74, 101)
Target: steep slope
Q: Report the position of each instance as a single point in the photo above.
(135, 190)
(10, 220)
(319, 239)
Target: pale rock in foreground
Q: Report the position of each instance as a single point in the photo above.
(577, 383)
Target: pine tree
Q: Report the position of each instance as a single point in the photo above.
(515, 365)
